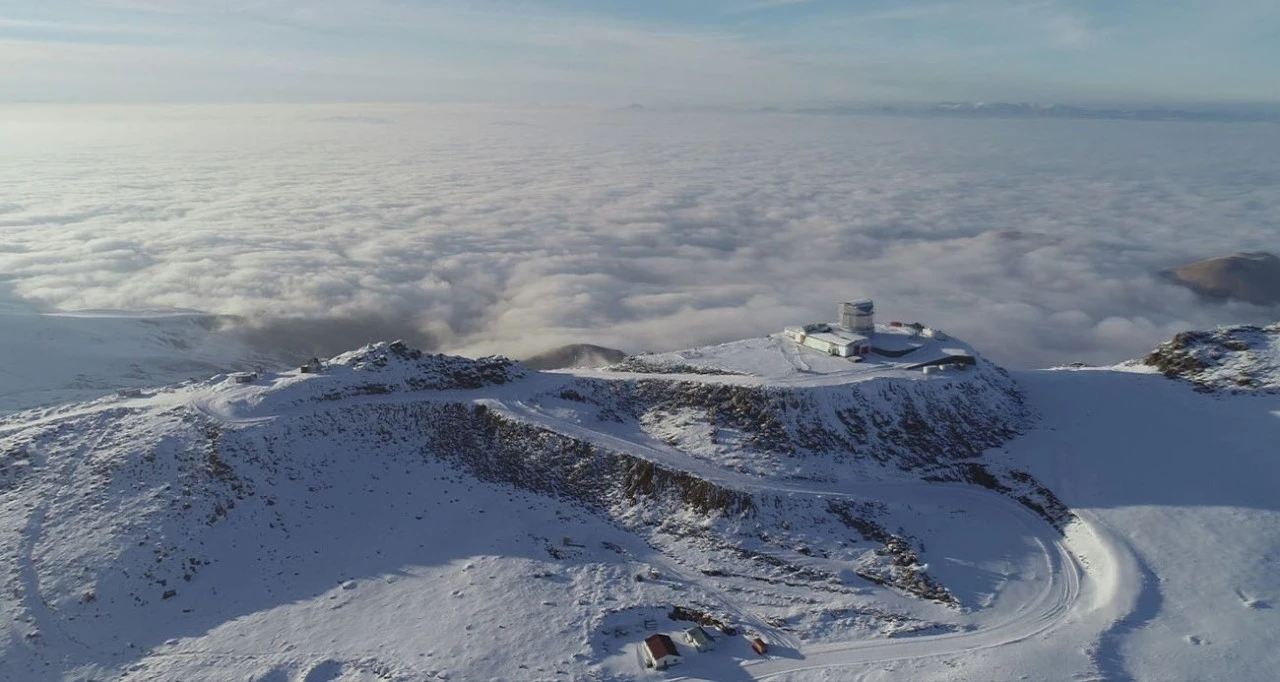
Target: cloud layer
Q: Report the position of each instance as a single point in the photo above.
(503, 230)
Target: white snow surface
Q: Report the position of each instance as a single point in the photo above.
(337, 547)
(54, 358)
(777, 360)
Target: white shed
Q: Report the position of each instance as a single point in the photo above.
(697, 638)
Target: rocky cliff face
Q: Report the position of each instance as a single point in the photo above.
(668, 506)
(812, 432)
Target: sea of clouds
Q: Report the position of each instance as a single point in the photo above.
(482, 230)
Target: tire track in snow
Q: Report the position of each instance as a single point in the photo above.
(44, 617)
(1129, 597)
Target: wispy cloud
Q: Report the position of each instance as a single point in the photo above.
(768, 52)
(764, 5)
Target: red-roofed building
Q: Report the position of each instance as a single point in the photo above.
(660, 652)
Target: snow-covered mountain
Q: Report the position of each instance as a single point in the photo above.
(396, 515)
(1253, 277)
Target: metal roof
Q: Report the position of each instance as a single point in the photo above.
(660, 646)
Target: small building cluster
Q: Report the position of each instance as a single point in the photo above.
(850, 337)
(660, 651)
(853, 335)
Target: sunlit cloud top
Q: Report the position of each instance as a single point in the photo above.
(710, 52)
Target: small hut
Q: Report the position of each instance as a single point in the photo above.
(312, 366)
(759, 646)
(697, 638)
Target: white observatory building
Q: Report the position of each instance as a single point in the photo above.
(849, 337)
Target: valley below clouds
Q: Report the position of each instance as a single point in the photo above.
(515, 230)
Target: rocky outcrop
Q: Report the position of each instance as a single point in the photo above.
(907, 424)
(382, 368)
(498, 449)
(1240, 358)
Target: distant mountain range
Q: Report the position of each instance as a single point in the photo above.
(1034, 110)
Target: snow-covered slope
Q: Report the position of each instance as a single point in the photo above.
(60, 357)
(1182, 485)
(403, 516)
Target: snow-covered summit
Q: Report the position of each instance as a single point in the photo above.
(1241, 358)
(193, 517)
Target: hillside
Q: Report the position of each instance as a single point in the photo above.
(1249, 277)
(61, 357)
(397, 515)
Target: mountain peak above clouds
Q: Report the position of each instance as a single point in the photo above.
(1252, 277)
(574, 355)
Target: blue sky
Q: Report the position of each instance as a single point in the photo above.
(663, 52)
